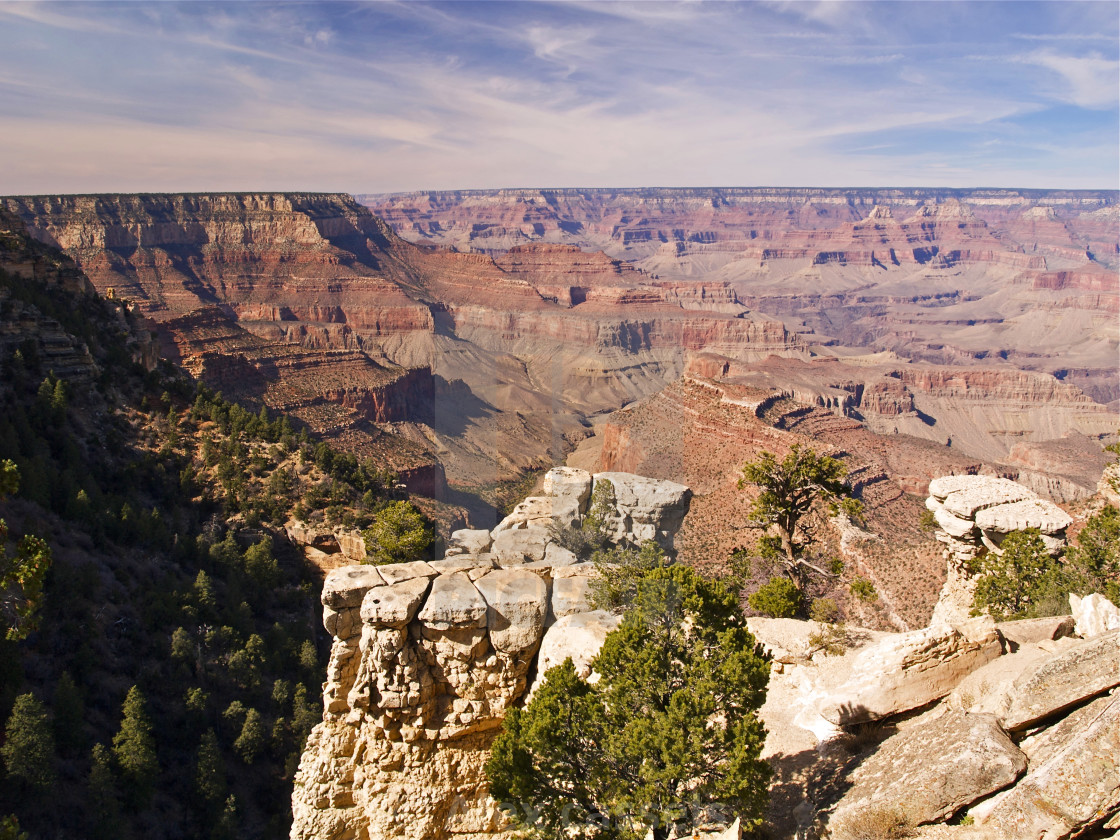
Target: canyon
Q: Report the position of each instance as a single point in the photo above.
(974, 350)
(504, 327)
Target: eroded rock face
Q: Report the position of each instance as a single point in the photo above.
(428, 657)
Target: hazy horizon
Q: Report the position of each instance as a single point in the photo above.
(388, 97)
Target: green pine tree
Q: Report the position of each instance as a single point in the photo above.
(252, 739)
(28, 751)
(103, 806)
(210, 773)
(135, 748)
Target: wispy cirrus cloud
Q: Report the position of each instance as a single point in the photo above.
(392, 96)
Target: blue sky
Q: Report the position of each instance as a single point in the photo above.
(392, 96)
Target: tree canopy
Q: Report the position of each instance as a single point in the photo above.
(1016, 582)
(666, 739)
(398, 535)
(790, 490)
(1095, 560)
(23, 567)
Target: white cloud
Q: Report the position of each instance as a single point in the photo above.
(1091, 81)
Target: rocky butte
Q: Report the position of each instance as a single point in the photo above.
(1014, 725)
(428, 656)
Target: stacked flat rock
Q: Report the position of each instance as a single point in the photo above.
(974, 513)
(427, 657)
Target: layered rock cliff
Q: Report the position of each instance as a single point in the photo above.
(517, 350)
(926, 273)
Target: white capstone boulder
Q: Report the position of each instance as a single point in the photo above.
(347, 585)
(453, 602)
(569, 483)
(469, 541)
(517, 602)
(579, 636)
(522, 545)
(1094, 615)
(395, 605)
(645, 509)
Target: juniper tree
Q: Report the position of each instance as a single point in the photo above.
(1015, 582)
(398, 535)
(790, 491)
(666, 739)
(1094, 563)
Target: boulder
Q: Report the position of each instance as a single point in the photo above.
(347, 585)
(461, 563)
(1046, 516)
(974, 693)
(468, 541)
(953, 525)
(453, 602)
(941, 487)
(352, 545)
(981, 492)
(932, 770)
(569, 595)
(579, 636)
(909, 670)
(569, 483)
(1058, 681)
(556, 555)
(1031, 630)
(394, 606)
(396, 572)
(645, 509)
(540, 512)
(517, 601)
(1044, 744)
(524, 545)
(1076, 786)
(1094, 615)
